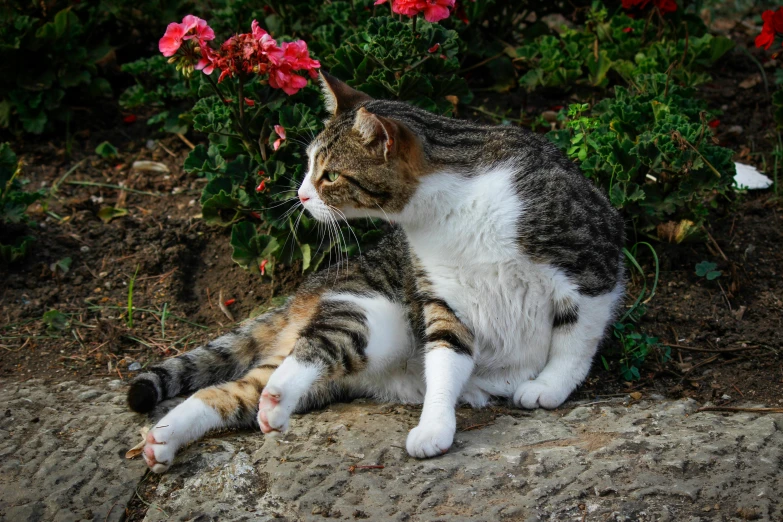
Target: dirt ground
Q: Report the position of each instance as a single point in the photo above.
(725, 334)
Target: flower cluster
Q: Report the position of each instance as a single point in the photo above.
(773, 25)
(664, 6)
(434, 10)
(253, 53)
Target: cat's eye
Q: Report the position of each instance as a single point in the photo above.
(331, 176)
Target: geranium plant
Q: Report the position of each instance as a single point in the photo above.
(248, 108)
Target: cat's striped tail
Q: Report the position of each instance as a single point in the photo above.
(226, 358)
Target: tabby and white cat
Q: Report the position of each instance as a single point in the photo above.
(500, 280)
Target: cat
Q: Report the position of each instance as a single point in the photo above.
(499, 279)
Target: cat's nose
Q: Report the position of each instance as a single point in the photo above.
(303, 199)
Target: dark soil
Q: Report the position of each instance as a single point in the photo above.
(726, 334)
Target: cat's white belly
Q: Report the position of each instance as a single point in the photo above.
(507, 306)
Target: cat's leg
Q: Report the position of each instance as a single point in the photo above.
(346, 335)
(229, 405)
(578, 330)
(448, 364)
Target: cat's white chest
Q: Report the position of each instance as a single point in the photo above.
(469, 249)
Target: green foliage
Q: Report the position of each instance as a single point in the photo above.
(53, 52)
(389, 59)
(159, 86)
(707, 269)
(56, 320)
(653, 152)
(620, 46)
(13, 205)
(106, 150)
(632, 350)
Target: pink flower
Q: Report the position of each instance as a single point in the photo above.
(256, 30)
(298, 57)
(284, 78)
(197, 28)
(434, 10)
(280, 131)
(172, 39)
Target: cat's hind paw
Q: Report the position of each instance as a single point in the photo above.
(158, 453)
(430, 440)
(272, 416)
(539, 393)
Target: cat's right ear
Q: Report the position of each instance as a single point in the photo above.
(339, 96)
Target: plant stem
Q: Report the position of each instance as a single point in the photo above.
(130, 297)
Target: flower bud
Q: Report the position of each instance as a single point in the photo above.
(172, 59)
(197, 49)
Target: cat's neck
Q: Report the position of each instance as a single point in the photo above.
(461, 219)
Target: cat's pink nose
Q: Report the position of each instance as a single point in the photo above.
(303, 199)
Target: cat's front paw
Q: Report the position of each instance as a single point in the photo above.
(272, 415)
(430, 439)
(160, 449)
(540, 393)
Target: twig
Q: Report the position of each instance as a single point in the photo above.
(186, 141)
(115, 187)
(711, 350)
(477, 426)
(57, 183)
(223, 307)
(110, 510)
(735, 409)
(162, 146)
(714, 243)
(482, 62)
(738, 390)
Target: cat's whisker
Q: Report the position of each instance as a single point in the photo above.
(384, 212)
(350, 228)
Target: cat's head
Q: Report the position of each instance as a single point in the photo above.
(361, 164)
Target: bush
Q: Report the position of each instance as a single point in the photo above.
(651, 148)
(53, 54)
(622, 47)
(14, 243)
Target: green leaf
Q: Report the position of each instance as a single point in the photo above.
(305, 256)
(56, 320)
(62, 266)
(250, 249)
(17, 250)
(714, 274)
(719, 45)
(221, 209)
(703, 268)
(106, 150)
(106, 214)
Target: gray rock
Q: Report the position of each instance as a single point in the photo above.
(649, 461)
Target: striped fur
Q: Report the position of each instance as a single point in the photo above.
(499, 280)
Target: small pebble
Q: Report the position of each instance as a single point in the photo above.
(134, 367)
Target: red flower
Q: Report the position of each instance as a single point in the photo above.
(249, 102)
(191, 28)
(261, 186)
(666, 6)
(434, 48)
(262, 266)
(130, 118)
(714, 123)
(773, 24)
(434, 10)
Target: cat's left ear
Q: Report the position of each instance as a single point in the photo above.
(378, 132)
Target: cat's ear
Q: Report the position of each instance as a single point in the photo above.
(377, 132)
(339, 96)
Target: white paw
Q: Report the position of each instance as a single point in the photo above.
(160, 449)
(430, 439)
(273, 413)
(535, 393)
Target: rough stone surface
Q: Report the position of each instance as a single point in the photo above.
(62, 452)
(651, 460)
(648, 461)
